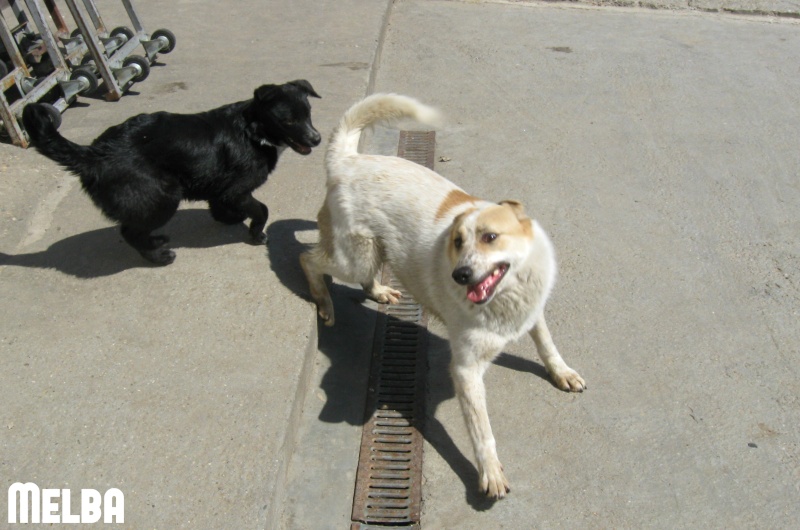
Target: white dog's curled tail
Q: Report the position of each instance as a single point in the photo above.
(385, 109)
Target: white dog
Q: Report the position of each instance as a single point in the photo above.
(484, 268)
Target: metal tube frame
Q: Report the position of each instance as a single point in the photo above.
(116, 76)
(9, 112)
(108, 62)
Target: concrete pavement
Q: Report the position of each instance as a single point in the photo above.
(772, 8)
(182, 385)
(659, 150)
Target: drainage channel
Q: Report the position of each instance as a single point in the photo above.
(388, 491)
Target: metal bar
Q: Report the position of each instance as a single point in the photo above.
(116, 59)
(137, 24)
(58, 19)
(10, 123)
(12, 48)
(19, 14)
(94, 14)
(50, 43)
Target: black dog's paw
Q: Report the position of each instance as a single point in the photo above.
(161, 256)
(259, 239)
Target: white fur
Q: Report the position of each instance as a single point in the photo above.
(381, 208)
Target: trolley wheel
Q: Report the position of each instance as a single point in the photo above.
(141, 62)
(123, 30)
(88, 59)
(75, 32)
(3, 69)
(86, 73)
(167, 34)
(55, 115)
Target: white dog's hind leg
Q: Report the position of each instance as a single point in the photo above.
(315, 273)
(562, 375)
(359, 260)
(467, 373)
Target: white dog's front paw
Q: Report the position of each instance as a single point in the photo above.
(493, 481)
(569, 380)
(383, 294)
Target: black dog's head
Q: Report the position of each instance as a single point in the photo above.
(281, 115)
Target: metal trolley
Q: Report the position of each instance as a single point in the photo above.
(42, 61)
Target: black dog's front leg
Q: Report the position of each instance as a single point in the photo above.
(226, 213)
(259, 213)
(235, 211)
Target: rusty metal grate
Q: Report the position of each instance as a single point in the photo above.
(389, 480)
(417, 146)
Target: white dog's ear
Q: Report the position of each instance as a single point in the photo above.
(516, 207)
(519, 211)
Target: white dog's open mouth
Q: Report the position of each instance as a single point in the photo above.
(482, 291)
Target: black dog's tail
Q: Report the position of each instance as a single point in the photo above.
(49, 142)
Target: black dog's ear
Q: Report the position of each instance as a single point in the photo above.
(264, 92)
(305, 86)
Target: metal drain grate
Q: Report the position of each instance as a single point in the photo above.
(417, 146)
(389, 480)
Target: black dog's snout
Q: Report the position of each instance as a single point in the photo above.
(311, 136)
(462, 275)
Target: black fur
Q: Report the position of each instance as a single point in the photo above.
(138, 172)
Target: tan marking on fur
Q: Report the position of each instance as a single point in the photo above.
(455, 229)
(453, 199)
(502, 220)
(519, 211)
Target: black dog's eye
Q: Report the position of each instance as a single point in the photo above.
(488, 237)
(458, 242)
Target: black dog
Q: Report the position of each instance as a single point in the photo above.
(138, 172)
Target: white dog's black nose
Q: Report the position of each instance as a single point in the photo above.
(462, 275)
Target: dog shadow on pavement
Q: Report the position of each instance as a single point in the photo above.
(348, 345)
(103, 252)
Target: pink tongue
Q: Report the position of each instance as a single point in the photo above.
(480, 292)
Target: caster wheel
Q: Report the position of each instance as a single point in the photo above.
(141, 63)
(3, 69)
(87, 60)
(86, 73)
(122, 30)
(75, 33)
(168, 36)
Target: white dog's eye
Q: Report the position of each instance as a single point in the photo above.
(458, 242)
(488, 237)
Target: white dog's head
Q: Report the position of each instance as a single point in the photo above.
(485, 244)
